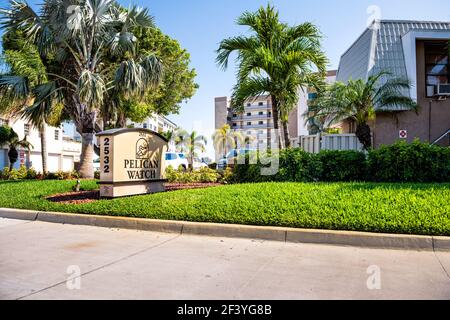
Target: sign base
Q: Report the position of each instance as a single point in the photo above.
(125, 189)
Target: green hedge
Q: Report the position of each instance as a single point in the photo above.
(342, 166)
(400, 162)
(414, 162)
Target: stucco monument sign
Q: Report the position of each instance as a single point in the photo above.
(132, 162)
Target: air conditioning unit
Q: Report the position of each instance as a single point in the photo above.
(443, 90)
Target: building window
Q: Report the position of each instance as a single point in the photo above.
(261, 113)
(234, 124)
(261, 123)
(249, 123)
(261, 104)
(235, 115)
(56, 134)
(249, 104)
(249, 114)
(144, 126)
(270, 114)
(26, 129)
(437, 66)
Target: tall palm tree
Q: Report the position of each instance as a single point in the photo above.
(359, 100)
(82, 36)
(276, 59)
(9, 136)
(195, 142)
(26, 62)
(223, 139)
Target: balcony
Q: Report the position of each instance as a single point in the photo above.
(252, 117)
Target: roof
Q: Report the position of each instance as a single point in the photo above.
(380, 48)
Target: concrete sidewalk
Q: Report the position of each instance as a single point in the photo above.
(37, 260)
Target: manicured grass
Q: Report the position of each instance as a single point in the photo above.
(392, 208)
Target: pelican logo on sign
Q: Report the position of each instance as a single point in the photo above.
(142, 149)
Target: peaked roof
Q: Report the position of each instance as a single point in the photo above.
(380, 48)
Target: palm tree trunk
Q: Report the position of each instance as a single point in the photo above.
(43, 136)
(287, 138)
(276, 121)
(87, 156)
(364, 135)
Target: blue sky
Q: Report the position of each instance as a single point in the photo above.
(199, 25)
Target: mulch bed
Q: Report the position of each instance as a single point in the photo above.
(92, 196)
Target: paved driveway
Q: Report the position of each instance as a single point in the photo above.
(42, 261)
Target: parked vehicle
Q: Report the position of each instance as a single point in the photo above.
(231, 158)
(199, 164)
(175, 160)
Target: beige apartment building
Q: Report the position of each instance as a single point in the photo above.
(255, 122)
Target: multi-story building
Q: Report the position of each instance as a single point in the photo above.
(254, 122)
(158, 124)
(297, 122)
(414, 50)
(63, 150)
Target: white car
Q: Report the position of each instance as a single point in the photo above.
(199, 164)
(175, 160)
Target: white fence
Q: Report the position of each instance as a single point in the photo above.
(316, 143)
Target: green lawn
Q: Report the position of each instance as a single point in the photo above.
(393, 208)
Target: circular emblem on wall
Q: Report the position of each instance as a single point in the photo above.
(142, 149)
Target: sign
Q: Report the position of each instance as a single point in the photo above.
(132, 162)
(22, 157)
(403, 134)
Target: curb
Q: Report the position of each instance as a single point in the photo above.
(290, 235)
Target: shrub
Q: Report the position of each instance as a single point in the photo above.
(342, 166)
(14, 174)
(400, 162)
(31, 174)
(204, 175)
(207, 175)
(226, 176)
(297, 165)
(414, 162)
(293, 165)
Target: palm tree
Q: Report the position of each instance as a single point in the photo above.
(9, 136)
(359, 100)
(181, 140)
(195, 142)
(223, 138)
(81, 36)
(276, 59)
(26, 62)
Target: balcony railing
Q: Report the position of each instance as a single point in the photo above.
(252, 117)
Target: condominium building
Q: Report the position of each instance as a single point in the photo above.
(158, 124)
(254, 122)
(414, 50)
(63, 150)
